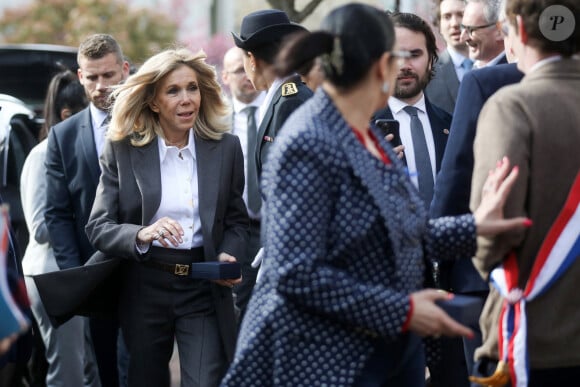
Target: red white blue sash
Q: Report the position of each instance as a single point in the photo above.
(558, 252)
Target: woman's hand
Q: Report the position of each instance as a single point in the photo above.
(489, 217)
(225, 257)
(164, 230)
(430, 320)
(398, 149)
(7, 342)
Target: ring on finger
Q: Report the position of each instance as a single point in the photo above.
(161, 233)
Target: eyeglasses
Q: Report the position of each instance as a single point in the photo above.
(401, 56)
(470, 29)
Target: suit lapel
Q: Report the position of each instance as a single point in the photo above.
(265, 124)
(438, 128)
(147, 171)
(88, 146)
(209, 162)
(450, 76)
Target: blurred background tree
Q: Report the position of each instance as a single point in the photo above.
(141, 32)
(289, 6)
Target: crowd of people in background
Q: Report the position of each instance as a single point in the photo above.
(361, 178)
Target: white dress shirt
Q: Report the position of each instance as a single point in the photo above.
(404, 119)
(493, 62)
(179, 191)
(98, 118)
(240, 129)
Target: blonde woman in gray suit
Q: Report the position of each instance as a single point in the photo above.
(170, 195)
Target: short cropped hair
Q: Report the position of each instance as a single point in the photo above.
(97, 46)
(530, 11)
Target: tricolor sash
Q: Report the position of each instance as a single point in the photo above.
(558, 252)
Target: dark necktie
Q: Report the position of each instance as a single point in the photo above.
(422, 160)
(466, 65)
(254, 200)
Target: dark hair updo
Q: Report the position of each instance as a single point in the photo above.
(351, 38)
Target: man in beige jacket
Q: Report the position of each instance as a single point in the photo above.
(536, 124)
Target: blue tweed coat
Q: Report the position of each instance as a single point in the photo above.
(345, 238)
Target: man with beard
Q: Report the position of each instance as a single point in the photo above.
(454, 61)
(481, 32)
(423, 127)
(72, 162)
(245, 103)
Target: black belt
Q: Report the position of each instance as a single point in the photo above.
(179, 269)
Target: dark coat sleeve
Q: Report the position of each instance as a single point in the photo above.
(453, 186)
(106, 229)
(236, 221)
(59, 214)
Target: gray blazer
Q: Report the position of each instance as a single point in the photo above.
(129, 194)
(442, 90)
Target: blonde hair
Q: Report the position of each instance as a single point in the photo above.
(132, 115)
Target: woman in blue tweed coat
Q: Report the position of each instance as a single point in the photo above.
(346, 232)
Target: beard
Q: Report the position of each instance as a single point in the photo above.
(101, 101)
(413, 89)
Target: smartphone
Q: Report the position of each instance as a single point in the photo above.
(390, 126)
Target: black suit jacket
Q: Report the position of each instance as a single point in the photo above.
(278, 111)
(453, 184)
(72, 176)
(440, 122)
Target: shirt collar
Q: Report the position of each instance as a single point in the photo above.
(544, 62)
(492, 62)
(239, 105)
(270, 95)
(163, 148)
(456, 57)
(396, 105)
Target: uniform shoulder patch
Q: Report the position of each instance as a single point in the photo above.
(289, 88)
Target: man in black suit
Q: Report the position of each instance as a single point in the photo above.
(73, 149)
(415, 36)
(423, 147)
(454, 61)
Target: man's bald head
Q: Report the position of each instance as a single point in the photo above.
(234, 76)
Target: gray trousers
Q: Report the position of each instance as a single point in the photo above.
(156, 309)
(69, 348)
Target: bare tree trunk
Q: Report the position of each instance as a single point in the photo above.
(295, 15)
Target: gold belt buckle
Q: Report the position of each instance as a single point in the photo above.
(181, 269)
